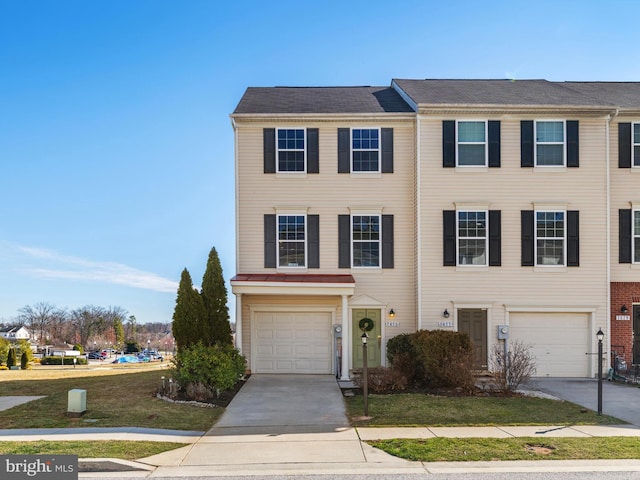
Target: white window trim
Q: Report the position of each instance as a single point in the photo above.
(563, 143)
(485, 143)
(352, 150)
(352, 241)
(305, 241)
(535, 238)
(486, 238)
(633, 145)
(278, 150)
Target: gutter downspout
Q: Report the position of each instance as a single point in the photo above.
(418, 223)
(609, 119)
(238, 313)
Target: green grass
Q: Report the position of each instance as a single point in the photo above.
(416, 409)
(493, 449)
(113, 400)
(94, 449)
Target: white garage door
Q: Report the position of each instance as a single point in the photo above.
(558, 341)
(293, 342)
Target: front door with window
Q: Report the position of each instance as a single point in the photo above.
(373, 342)
(474, 322)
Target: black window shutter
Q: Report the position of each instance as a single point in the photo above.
(269, 147)
(527, 227)
(449, 238)
(448, 143)
(344, 241)
(573, 238)
(313, 241)
(387, 150)
(624, 145)
(313, 155)
(270, 241)
(387, 241)
(526, 143)
(495, 238)
(494, 143)
(344, 150)
(573, 150)
(624, 235)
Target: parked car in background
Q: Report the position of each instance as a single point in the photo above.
(126, 359)
(95, 356)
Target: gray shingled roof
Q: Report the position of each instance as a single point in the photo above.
(498, 92)
(278, 100)
(621, 94)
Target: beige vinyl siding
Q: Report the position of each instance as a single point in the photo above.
(511, 189)
(624, 193)
(329, 194)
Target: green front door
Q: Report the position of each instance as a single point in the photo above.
(373, 342)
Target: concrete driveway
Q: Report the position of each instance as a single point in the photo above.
(618, 399)
(294, 420)
(277, 404)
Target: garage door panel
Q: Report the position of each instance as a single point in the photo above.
(558, 342)
(293, 342)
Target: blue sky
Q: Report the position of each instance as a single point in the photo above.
(116, 149)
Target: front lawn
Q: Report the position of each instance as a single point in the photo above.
(411, 409)
(525, 448)
(113, 400)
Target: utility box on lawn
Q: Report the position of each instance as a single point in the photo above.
(77, 402)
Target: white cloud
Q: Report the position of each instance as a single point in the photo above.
(68, 267)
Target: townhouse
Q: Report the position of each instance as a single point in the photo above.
(503, 209)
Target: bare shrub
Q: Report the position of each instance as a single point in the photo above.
(382, 380)
(199, 392)
(513, 370)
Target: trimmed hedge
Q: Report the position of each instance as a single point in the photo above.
(433, 358)
(67, 361)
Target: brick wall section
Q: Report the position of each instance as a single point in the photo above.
(623, 293)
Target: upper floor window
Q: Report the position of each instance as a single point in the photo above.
(550, 235)
(291, 150)
(365, 231)
(472, 237)
(365, 147)
(291, 241)
(636, 144)
(550, 145)
(472, 144)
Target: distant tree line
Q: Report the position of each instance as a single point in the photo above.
(91, 327)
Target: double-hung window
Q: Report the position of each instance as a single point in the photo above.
(290, 149)
(550, 232)
(365, 149)
(291, 241)
(550, 143)
(472, 144)
(366, 240)
(636, 144)
(636, 236)
(472, 237)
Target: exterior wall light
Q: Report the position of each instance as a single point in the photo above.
(445, 314)
(392, 314)
(624, 309)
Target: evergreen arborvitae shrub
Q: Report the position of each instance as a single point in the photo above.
(11, 358)
(216, 328)
(189, 314)
(24, 361)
